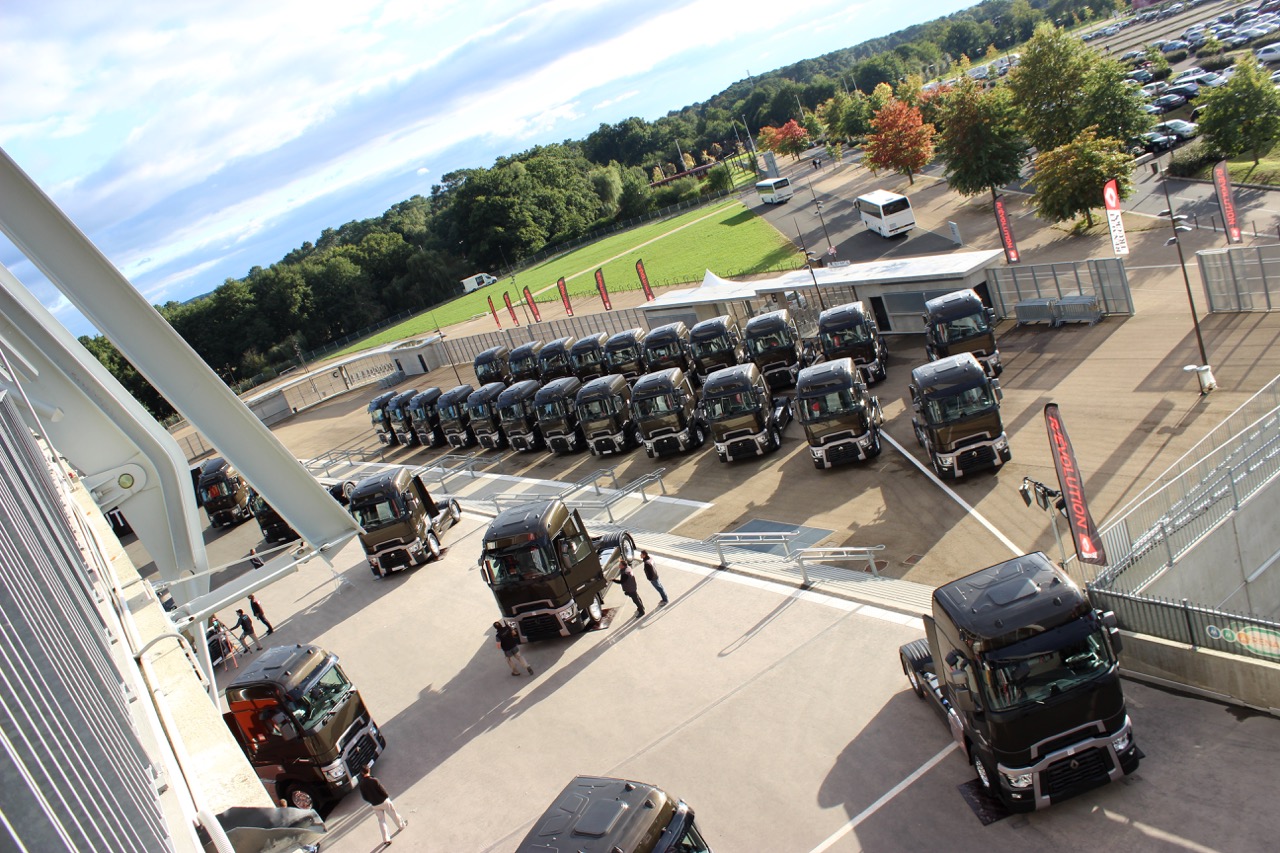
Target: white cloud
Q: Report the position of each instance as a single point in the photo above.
(609, 102)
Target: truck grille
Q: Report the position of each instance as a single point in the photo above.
(360, 754)
(666, 444)
(978, 457)
(1087, 769)
(540, 627)
(742, 448)
(394, 559)
(844, 453)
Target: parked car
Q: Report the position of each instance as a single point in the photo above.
(1176, 44)
(1188, 91)
(1152, 143)
(1268, 54)
(1155, 88)
(1184, 130)
(1185, 74)
(1140, 75)
(1168, 103)
(1132, 55)
(1151, 109)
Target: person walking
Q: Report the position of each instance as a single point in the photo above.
(256, 607)
(376, 795)
(509, 641)
(628, 581)
(652, 574)
(245, 624)
(254, 559)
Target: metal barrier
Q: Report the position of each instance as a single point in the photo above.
(782, 538)
(1197, 626)
(1104, 279)
(1241, 278)
(838, 555)
(610, 498)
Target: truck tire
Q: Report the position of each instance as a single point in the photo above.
(431, 548)
(985, 778)
(301, 796)
(595, 612)
(775, 438)
(874, 450)
(455, 512)
(699, 437)
(915, 655)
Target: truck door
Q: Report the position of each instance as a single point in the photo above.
(420, 490)
(577, 558)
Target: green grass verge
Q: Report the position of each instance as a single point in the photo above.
(726, 238)
(1244, 171)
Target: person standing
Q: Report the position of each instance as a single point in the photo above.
(245, 624)
(256, 607)
(628, 581)
(652, 574)
(509, 641)
(254, 559)
(377, 797)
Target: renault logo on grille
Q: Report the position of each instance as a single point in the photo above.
(1074, 764)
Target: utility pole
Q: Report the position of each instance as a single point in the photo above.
(809, 260)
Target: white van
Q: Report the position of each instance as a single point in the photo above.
(888, 214)
(477, 281)
(775, 190)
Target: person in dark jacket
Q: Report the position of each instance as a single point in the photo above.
(254, 560)
(652, 574)
(245, 626)
(376, 795)
(261, 615)
(509, 641)
(628, 581)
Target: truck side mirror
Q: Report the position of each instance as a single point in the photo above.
(957, 680)
(486, 573)
(995, 389)
(991, 316)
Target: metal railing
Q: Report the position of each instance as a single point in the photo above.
(607, 500)
(806, 557)
(782, 538)
(1193, 624)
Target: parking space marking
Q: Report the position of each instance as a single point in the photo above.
(1017, 552)
(884, 798)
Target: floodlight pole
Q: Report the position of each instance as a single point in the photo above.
(809, 266)
(1182, 262)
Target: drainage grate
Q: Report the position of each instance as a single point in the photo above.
(913, 559)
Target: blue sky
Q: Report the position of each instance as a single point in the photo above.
(192, 142)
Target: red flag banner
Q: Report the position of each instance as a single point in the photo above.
(1083, 531)
(494, 312)
(604, 291)
(1006, 233)
(1227, 203)
(1115, 217)
(533, 306)
(564, 296)
(506, 297)
(644, 280)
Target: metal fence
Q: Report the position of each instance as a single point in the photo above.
(1104, 279)
(1184, 622)
(1241, 278)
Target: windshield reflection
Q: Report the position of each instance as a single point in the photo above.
(831, 405)
(1014, 680)
(312, 702)
(964, 404)
(731, 405)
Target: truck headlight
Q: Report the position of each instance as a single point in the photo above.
(336, 771)
(945, 461)
(1123, 742)
(1018, 780)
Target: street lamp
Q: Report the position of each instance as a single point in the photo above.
(445, 344)
(809, 261)
(1048, 500)
(1204, 373)
(818, 204)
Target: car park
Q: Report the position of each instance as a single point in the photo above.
(1184, 130)
(1169, 102)
(1152, 143)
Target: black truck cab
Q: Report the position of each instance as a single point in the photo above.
(667, 413)
(398, 415)
(518, 417)
(849, 331)
(224, 493)
(668, 346)
(604, 410)
(594, 814)
(840, 417)
(482, 409)
(714, 344)
(553, 361)
(959, 322)
(273, 526)
(525, 363)
(624, 353)
(587, 356)
(455, 419)
(381, 418)
(773, 344)
(425, 419)
(957, 416)
(401, 524)
(493, 365)
(746, 420)
(558, 416)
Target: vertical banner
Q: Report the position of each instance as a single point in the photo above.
(1083, 531)
(506, 297)
(1115, 217)
(494, 312)
(564, 296)
(644, 280)
(1227, 203)
(1006, 233)
(533, 306)
(604, 291)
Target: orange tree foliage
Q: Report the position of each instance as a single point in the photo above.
(791, 138)
(900, 140)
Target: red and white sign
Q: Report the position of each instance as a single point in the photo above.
(1115, 217)
(494, 312)
(564, 296)
(1227, 203)
(1011, 255)
(1083, 531)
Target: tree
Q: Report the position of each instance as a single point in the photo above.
(901, 140)
(1069, 179)
(1107, 104)
(1243, 115)
(980, 140)
(1046, 86)
(791, 138)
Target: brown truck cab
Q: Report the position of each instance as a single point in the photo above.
(401, 421)
(553, 361)
(667, 413)
(224, 493)
(517, 415)
(841, 419)
(482, 409)
(746, 419)
(455, 420)
(587, 356)
(525, 362)
(402, 524)
(773, 344)
(381, 418)
(714, 344)
(959, 322)
(558, 416)
(594, 814)
(425, 419)
(604, 411)
(668, 346)
(956, 416)
(624, 353)
(493, 365)
(848, 331)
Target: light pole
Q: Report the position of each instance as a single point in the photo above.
(1049, 500)
(445, 344)
(1204, 373)
(808, 263)
(818, 203)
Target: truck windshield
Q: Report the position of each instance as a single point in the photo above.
(478, 410)
(552, 409)
(375, 514)
(1046, 665)
(312, 702)
(378, 415)
(512, 414)
(760, 344)
(844, 337)
(668, 350)
(529, 364)
(418, 413)
(449, 411)
(730, 405)
(833, 404)
(963, 328)
(710, 346)
(488, 371)
(555, 359)
(598, 408)
(214, 490)
(663, 404)
(519, 563)
(622, 355)
(962, 404)
(587, 358)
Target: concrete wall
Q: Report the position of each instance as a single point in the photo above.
(1247, 681)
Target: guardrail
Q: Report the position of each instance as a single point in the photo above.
(781, 537)
(865, 554)
(608, 499)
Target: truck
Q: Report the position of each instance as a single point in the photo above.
(455, 420)
(517, 416)
(402, 524)
(553, 361)
(493, 365)
(426, 419)
(668, 346)
(841, 419)
(773, 343)
(714, 344)
(604, 411)
(477, 281)
(381, 419)
(302, 724)
(482, 410)
(548, 575)
(958, 322)
(273, 526)
(587, 355)
(224, 493)
(668, 414)
(524, 362)
(558, 416)
(624, 353)
(956, 416)
(849, 331)
(1029, 684)
(746, 419)
(594, 814)
(400, 420)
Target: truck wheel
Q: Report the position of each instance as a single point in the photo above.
(301, 796)
(912, 676)
(455, 512)
(915, 655)
(775, 438)
(432, 549)
(980, 767)
(699, 437)
(876, 447)
(595, 610)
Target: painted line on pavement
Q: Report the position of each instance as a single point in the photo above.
(885, 798)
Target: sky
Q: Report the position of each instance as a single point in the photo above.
(193, 141)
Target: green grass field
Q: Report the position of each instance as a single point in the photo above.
(726, 238)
